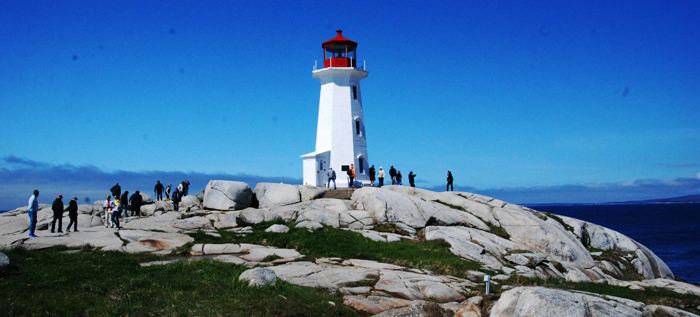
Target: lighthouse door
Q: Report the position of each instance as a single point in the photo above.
(323, 162)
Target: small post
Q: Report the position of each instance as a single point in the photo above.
(487, 279)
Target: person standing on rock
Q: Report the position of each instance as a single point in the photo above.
(331, 177)
(412, 179)
(398, 178)
(181, 187)
(135, 202)
(57, 208)
(185, 187)
(158, 190)
(116, 191)
(73, 214)
(124, 202)
(380, 176)
(176, 199)
(116, 213)
(33, 209)
(351, 174)
(371, 175)
(167, 191)
(392, 174)
(108, 208)
(449, 181)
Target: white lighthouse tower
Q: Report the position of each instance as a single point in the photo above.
(340, 135)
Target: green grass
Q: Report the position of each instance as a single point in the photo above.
(332, 242)
(559, 220)
(95, 283)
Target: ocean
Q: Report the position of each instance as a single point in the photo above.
(670, 230)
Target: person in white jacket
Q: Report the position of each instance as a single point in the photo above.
(108, 206)
(380, 177)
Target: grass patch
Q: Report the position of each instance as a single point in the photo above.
(629, 273)
(450, 205)
(331, 242)
(559, 220)
(650, 296)
(97, 283)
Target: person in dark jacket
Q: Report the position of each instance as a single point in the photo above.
(136, 200)
(392, 174)
(159, 190)
(116, 190)
(73, 214)
(57, 208)
(176, 199)
(449, 181)
(398, 178)
(185, 188)
(371, 175)
(124, 201)
(412, 179)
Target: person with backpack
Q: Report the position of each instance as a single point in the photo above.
(331, 177)
(371, 175)
(73, 214)
(449, 181)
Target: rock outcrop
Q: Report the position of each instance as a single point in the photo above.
(227, 195)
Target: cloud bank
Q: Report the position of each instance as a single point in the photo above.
(19, 177)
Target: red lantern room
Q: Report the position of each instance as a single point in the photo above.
(339, 52)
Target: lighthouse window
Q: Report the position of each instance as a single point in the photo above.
(354, 92)
(361, 165)
(357, 126)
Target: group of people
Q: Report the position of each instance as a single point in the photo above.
(113, 207)
(180, 190)
(395, 175)
(58, 208)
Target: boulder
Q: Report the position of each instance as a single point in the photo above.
(540, 301)
(190, 202)
(418, 308)
(153, 241)
(5, 265)
(311, 225)
(658, 310)
(310, 192)
(227, 195)
(374, 304)
(251, 216)
(413, 286)
(356, 219)
(259, 277)
(387, 205)
(277, 228)
(200, 195)
(148, 210)
(271, 194)
(224, 220)
(147, 199)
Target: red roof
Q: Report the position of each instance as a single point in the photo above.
(339, 40)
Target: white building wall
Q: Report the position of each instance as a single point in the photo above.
(336, 121)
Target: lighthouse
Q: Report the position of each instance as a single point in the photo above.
(341, 140)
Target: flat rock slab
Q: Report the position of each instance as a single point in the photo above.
(311, 275)
(247, 252)
(154, 241)
(374, 304)
(413, 286)
(540, 301)
(99, 237)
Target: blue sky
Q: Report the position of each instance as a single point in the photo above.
(542, 101)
